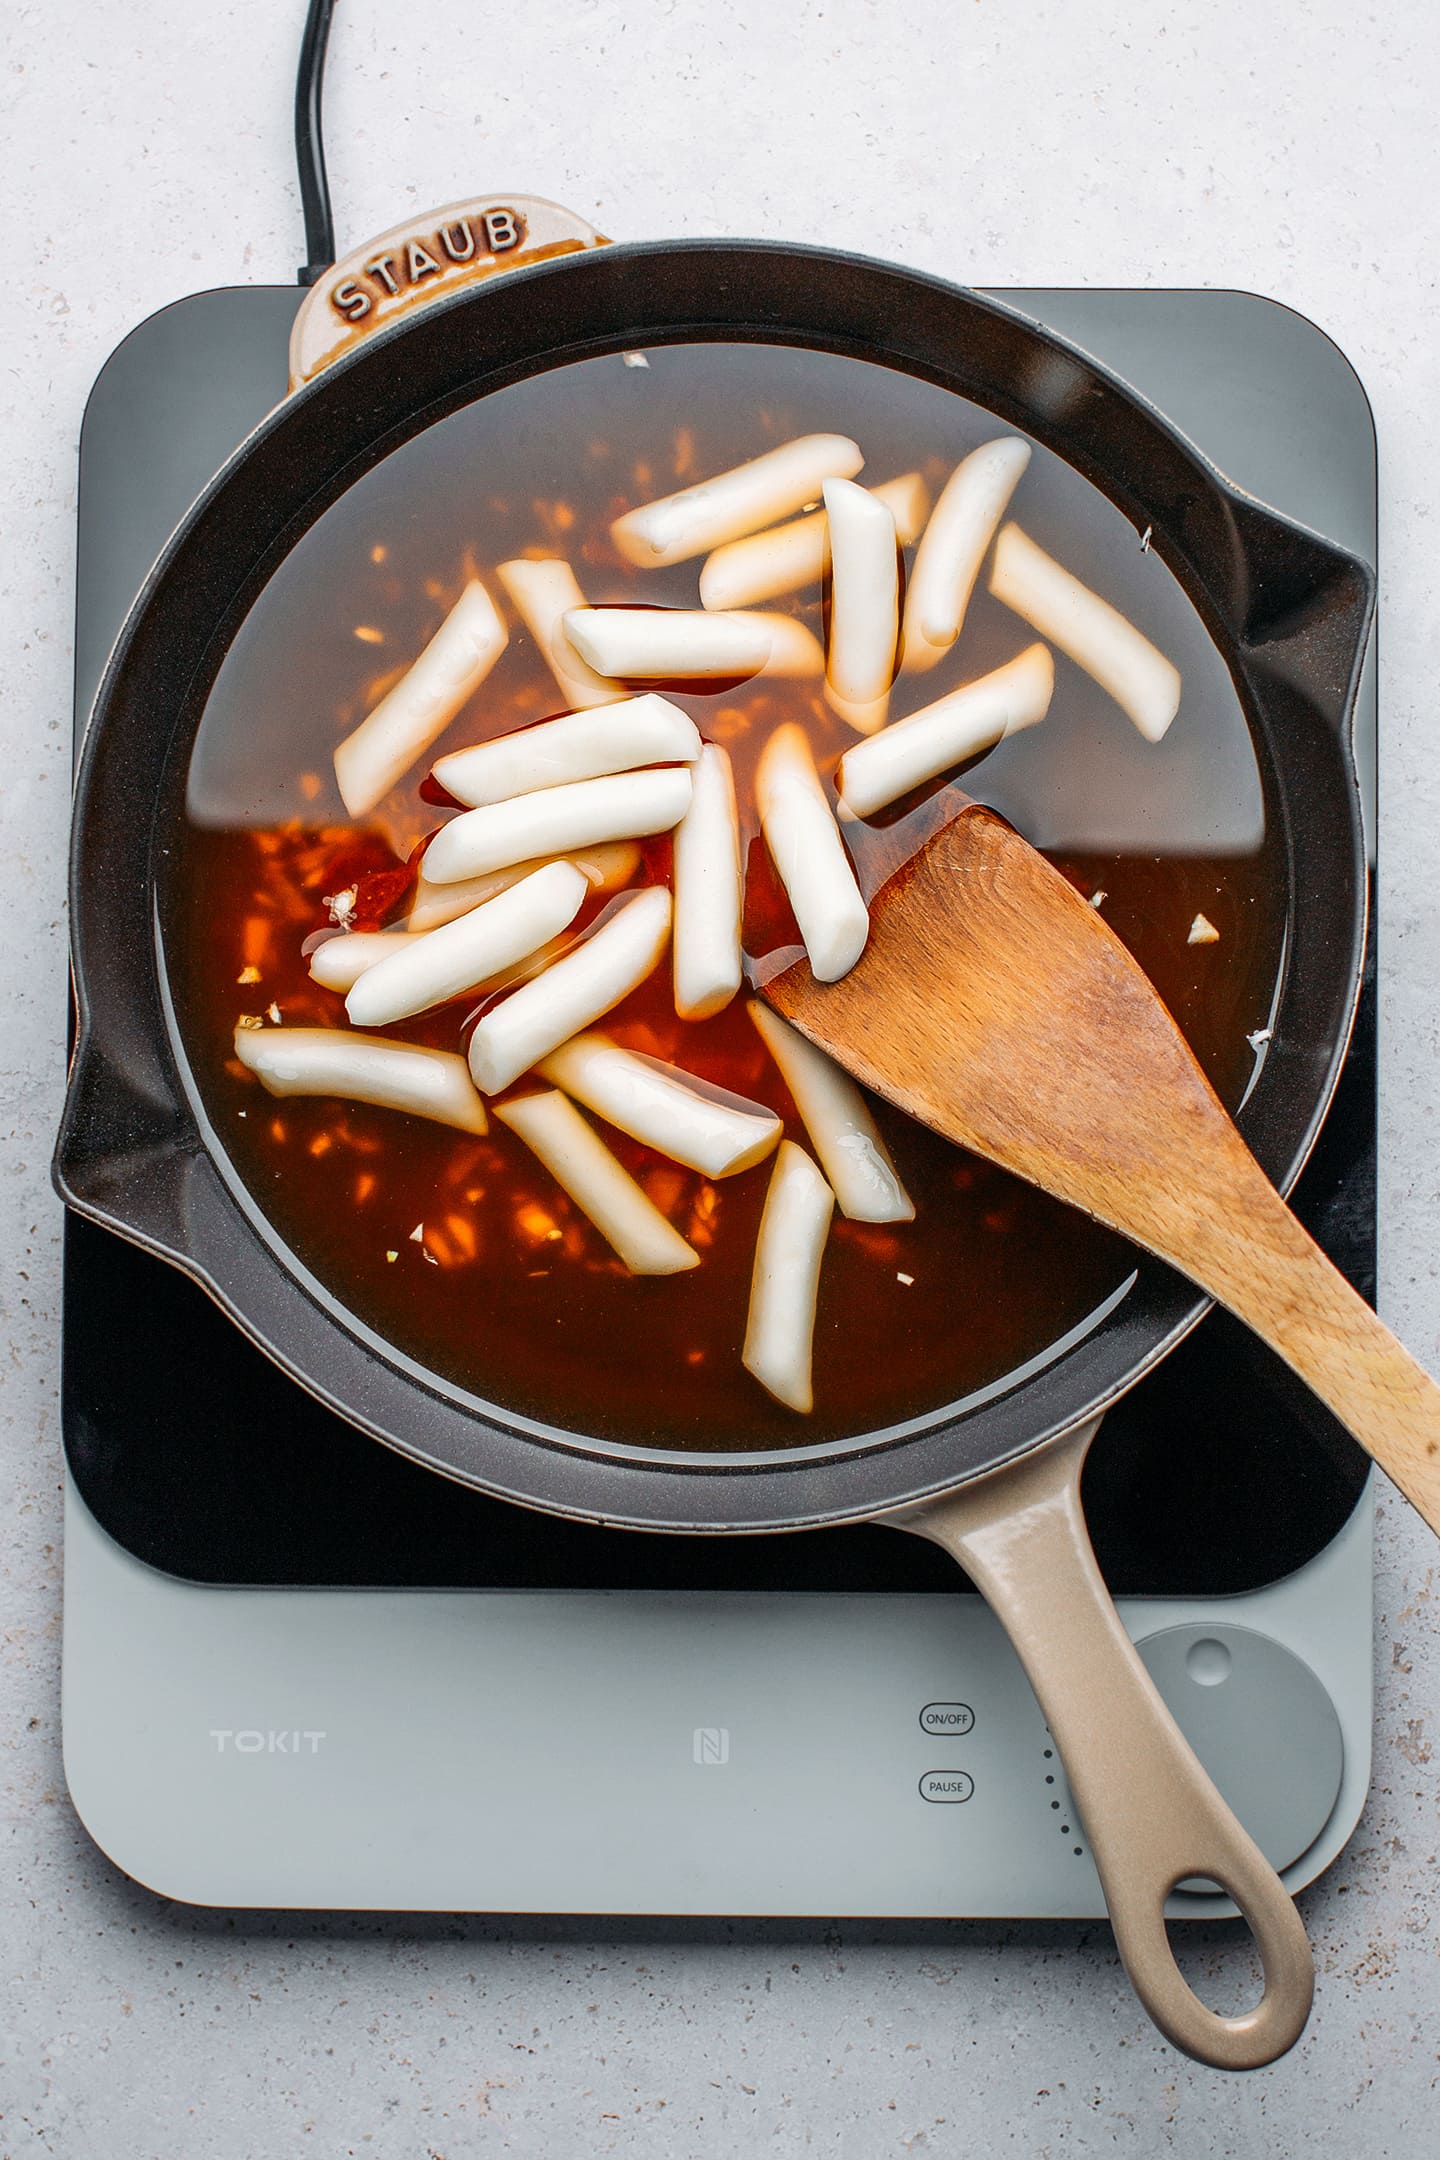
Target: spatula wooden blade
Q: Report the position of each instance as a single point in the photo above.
(994, 1004)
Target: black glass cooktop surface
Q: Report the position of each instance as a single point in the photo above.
(1217, 1474)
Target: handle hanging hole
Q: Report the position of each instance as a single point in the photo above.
(1220, 1961)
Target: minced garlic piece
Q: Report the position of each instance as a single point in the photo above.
(536, 1225)
(1203, 932)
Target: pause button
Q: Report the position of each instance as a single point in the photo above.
(943, 1785)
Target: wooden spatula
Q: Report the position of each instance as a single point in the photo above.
(994, 1004)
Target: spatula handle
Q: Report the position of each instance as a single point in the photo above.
(1246, 1248)
(1152, 1817)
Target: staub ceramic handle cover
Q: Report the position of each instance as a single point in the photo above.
(1152, 1817)
(422, 260)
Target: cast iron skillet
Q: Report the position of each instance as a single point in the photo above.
(1290, 614)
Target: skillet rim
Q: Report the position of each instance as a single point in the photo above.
(152, 1127)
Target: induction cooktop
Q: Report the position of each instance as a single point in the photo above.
(300, 1670)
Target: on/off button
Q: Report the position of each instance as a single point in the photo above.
(951, 1785)
(950, 1720)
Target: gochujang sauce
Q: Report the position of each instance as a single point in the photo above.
(461, 1251)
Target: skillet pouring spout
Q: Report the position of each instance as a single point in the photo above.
(998, 1007)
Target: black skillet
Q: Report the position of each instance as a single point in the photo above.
(1290, 615)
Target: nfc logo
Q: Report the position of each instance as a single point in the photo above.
(711, 1744)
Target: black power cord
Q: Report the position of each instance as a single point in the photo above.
(310, 144)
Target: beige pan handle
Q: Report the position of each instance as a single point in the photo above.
(1151, 1814)
(429, 256)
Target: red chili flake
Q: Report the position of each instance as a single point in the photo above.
(770, 923)
(340, 862)
(657, 859)
(381, 884)
(379, 895)
(438, 796)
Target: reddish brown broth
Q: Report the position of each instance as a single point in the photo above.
(509, 1292)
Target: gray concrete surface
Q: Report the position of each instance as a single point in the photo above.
(146, 153)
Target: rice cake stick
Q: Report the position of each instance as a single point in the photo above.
(541, 592)
(538, 1017)
(339, 963)
(794, 647)
(804, 842)
(842, 1132)
(652, 642)
(578, 1159)
(864, 605)
(958, 726)
(734, 503)
(606, 867)
(506, 978)
(953, 546)
(709, 891)
(429, 970)
(582, 746)
(1096, 636)
(412, 715)
(780, 1331)
(554, 821)
(668, 644)
(363, 1068)
(706, 1128)
(769, 564)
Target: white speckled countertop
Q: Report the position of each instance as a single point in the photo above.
(146, 153)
